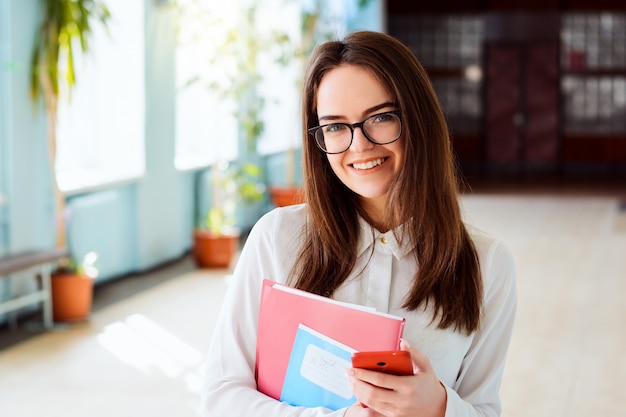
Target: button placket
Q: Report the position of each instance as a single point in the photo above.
(379, 276)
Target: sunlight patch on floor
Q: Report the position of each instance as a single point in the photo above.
(141, 343)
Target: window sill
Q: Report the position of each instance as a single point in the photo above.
(85, 186)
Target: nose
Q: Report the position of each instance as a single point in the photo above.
(360, 143)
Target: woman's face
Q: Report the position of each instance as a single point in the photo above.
(349, 94)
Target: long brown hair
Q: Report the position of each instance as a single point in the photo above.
(423, 196)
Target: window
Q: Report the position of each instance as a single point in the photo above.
(593, 41)
(100, 135)
(449, 47)
(594, 104)
(441, 41)
(206, 129)
(280, 84)
(593, 57)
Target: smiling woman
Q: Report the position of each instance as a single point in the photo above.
(381, 228)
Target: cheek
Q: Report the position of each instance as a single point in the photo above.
(335, 163)
(398, 151)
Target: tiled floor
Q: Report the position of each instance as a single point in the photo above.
(565, 358)
(140, 353)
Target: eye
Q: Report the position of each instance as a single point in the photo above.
(381, 118)
(335, 128)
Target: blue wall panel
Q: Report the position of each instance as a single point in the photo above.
(102, 222)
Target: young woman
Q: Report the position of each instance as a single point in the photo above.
(381, 227)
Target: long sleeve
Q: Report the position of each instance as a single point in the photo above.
(470, 366)
(230, 387)
(476, 389)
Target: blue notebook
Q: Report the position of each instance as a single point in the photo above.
(315, 375)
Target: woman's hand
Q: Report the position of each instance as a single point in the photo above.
(398, 396)
(358, 410)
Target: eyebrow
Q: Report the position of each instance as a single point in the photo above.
(366, 111)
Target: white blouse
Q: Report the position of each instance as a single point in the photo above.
(470, 367)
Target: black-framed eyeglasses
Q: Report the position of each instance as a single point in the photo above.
(381, 129)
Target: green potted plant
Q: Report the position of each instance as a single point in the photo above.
(216, 238)
(72, 288)
(233, 72)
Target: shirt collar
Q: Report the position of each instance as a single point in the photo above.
(369, 235)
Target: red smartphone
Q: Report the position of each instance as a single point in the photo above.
(395, 362)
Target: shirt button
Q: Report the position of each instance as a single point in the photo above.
(383, 240)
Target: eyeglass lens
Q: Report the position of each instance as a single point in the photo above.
(381, 129)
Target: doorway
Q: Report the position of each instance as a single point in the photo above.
(521, 61)
(522, 107)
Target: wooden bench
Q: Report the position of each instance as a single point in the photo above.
(42, 259)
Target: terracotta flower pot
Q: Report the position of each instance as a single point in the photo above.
(72, 296)
(210, 251)
(286, 196)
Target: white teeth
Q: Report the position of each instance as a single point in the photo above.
(369, 164)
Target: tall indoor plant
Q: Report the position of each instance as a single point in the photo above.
(66, 25)
(233, 70)
(313, 22)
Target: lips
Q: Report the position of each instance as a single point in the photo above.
(369, 164)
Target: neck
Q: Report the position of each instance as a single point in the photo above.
(373, 210)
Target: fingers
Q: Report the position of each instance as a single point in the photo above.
(358, 411)
(380, 391)
(404, 345)
(370, 396)
(419, 394)
(421, 363)
(375, 378)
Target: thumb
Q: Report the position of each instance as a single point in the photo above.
(421, 363)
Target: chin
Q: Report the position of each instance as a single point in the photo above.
(372, 194)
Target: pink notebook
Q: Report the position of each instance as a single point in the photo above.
(284, 310)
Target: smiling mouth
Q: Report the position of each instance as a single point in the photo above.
(369, 164)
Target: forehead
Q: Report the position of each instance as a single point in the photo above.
(349, 90)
